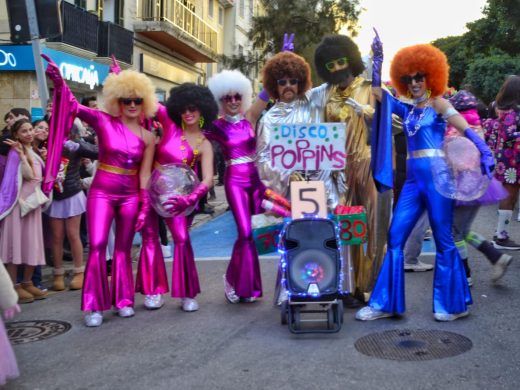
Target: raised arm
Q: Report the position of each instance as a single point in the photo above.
(377, 65)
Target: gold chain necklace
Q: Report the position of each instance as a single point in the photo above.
(182, 147)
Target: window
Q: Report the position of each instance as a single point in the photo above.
(81, 3)
(210, 8)
(221, 16)
(119, 13)
(241, 8)
(209, 70)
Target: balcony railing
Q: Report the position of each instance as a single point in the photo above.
(80, 28)
(176, 13)
(116, 40)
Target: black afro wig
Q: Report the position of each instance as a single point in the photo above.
(188, 94)
(333, 47)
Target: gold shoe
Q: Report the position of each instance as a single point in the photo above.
(77, 281)
(58, 283)
(24, 296)
(35, 291)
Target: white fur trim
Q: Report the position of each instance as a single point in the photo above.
(231, 81)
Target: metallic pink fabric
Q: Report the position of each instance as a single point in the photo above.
(151, 271)
(64, 110)
(151, 277)
(111, 196)
(244, 192)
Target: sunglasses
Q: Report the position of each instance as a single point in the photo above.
(129, 101)
(338, 62)
(230, 98)
(190, 108)
(418, 77)
(283, 82)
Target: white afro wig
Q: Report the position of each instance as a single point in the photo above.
(229, 82)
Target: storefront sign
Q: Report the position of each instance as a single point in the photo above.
(308, 146)
(72, 68)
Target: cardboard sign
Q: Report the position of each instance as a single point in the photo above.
(308, 197)
(308, 146)
(266, 238)
(352, 223)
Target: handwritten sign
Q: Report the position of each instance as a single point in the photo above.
(353, 225)
(266, 238)
(308, 146)
(308, 197)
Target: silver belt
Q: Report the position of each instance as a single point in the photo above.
(240, 160)
(426, 153)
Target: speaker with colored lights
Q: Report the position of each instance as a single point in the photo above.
(312, 269)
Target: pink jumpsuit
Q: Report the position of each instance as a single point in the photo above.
(151, 273)
(114, 194)
(244, 192)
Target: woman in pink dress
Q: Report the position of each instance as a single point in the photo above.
(118, 191)
(190, 109)
(21, 237)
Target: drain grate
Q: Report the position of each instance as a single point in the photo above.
(413, 345)
(21, 332)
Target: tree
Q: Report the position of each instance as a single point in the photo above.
(458, 58)
(476, 57)
(309, 20)
(486, 75)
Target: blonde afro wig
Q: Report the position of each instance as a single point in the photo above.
(425, 59)
(129, 83)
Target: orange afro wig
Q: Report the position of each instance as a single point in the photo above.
(286, 64)
(425, 59)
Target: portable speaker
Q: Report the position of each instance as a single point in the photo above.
(313, 260)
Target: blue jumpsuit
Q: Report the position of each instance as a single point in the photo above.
(424, 130)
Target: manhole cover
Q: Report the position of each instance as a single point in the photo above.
(21, 332)
(416, 344)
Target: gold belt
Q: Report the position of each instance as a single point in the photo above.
(426, 153)
(117, 170)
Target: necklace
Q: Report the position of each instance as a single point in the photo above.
(412, 131)
(182, 147)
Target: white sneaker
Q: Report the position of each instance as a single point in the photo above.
(470, 281)
(189, 304)
(125, 312)
(418, 267)
(230, 293)
(153, 302)
(166, 251)
(500, 267)
(368, 313)
(249, 300)
(93, 318)
(449, 317)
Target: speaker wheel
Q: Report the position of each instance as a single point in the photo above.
(295, 310)
(284, 312)
(331, 314)
(339, 312)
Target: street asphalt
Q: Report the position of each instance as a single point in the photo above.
(244, 346)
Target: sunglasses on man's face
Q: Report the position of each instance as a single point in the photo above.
(190, 108)
(230, 98)
(338, 62)
(129, 101)
(283, 82)
(418, 77)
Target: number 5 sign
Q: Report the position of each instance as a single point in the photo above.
(308, 197)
